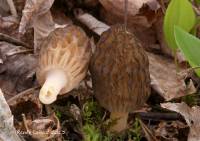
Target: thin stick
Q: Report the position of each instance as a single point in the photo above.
(157, 116)
(12, 8)
(9, 39)
(125, 13)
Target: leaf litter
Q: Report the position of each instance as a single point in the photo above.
(18, 63)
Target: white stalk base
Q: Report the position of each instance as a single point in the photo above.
(54, 83)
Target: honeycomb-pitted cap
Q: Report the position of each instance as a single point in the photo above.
(68, 50)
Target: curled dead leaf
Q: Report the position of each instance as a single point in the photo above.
(37, 14)
(140, 12)
(32, 9)
(117, 6)
(43, 128)
(165, 79)
(169, 130)
(191, 116)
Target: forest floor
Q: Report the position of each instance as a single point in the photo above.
(79, 116)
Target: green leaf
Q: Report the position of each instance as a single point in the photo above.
(181, 13)
(190, 47)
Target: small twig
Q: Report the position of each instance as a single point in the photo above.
(22, 95)
(18, 51)
(159, 116)
(9, 39)
(91, 22)
(24, 121)
(125, 13)
(12, 8)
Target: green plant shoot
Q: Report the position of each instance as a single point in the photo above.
(181, 13)
(190, 47)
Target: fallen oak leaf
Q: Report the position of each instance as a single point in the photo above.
(191, 116)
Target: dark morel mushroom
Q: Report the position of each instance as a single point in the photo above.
(120, 74)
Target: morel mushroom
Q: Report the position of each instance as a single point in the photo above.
(120, 74)
(63, 62)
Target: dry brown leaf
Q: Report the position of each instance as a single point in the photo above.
(43, 25)
(169, 130)
(191, 116)
(163, 71)
(7, 22)
(32, 9)
(140, 12)
(37, 14)
(17, 70)
(43, 128)
(117, 6)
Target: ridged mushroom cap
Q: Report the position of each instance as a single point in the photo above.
(66, 49)
(120, 71)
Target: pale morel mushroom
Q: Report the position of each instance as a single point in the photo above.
(120, 74)
(63, 62)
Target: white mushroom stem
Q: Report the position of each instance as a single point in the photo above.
(121, 121)
(55, 81)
